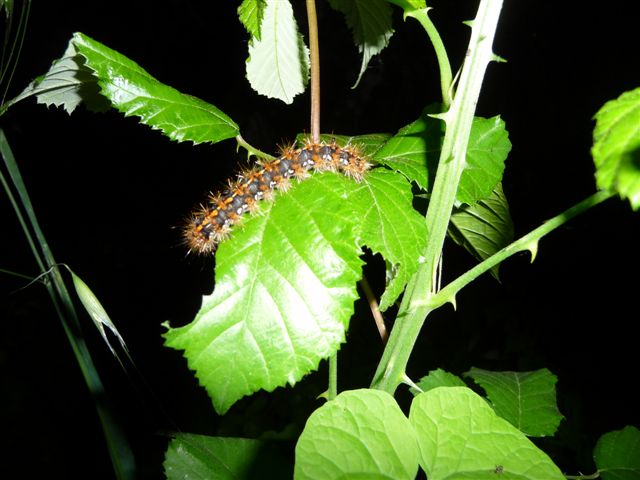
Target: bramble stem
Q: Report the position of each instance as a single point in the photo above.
(252, 150)
(314, 48)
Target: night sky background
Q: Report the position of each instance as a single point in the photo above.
(108, 192)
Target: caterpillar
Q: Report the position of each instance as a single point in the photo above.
(212, 222)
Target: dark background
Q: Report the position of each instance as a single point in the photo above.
(108, 191)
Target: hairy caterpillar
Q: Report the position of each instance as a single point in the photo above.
(212, 222)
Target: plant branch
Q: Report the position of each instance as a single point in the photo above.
(446, 86)
(415, 304)
(527, 242)
(252, 150)
(314, 48)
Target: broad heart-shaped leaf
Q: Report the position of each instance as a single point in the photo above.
(370, 22)
(414, 151)
(134, 92)
(278, 64)
(616, 146)
(484, 228)
(251, 13)
(390, 226)
(67, 84)
(617, 454)
(203, 457)
(527, 400)
(438, 378)
(461, 437)
(361, 434)
(285, 287)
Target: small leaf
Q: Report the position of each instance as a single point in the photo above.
(370, 22)
(526, 399)
(460, 436)
(617, 454)
(278, 64)
(202, 457)
(488, 148)
(391, 226)
(361, 434)
(616, 146)
(415, 150)
(134, 92)
(67, 84)
(285, 287)
(251, 13)
(484, 228)
(439, 378)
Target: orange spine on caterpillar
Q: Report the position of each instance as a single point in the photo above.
(211, 223)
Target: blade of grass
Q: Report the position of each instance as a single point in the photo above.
(119, 450)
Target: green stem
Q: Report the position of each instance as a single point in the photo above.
(441, 53)
(252, 150)
(333, 377)
(415, 305)
(527, 242)
(119, 449)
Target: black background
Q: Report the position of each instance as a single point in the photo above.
(107, 192)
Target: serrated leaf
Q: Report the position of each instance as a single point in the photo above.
(370, 22)
(617, 454)
(203, 457)
(278, 64)
(67, 84)
(134, 92)
(285, 287)
(460, 436)
(392, 227)
(616, 146)
(438, 378)
(527, 400)
(360, 434)
(251, 13)
(484, 228)
(414, 151)
(488, 148)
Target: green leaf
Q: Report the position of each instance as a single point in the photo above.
(438, 378)
(414, 151)
(617, 454)
(527, 400)
(392, 227)
(488, 148)
(484, 228)
(202, 457)
(67, 84)
(370, 22)
(616, 146)
(461, 437)
(134, 92)
(285, 287)
(278, 64)
(361, 434)
(251, 13)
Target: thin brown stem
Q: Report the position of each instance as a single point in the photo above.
(375, 311)
(315, 70)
